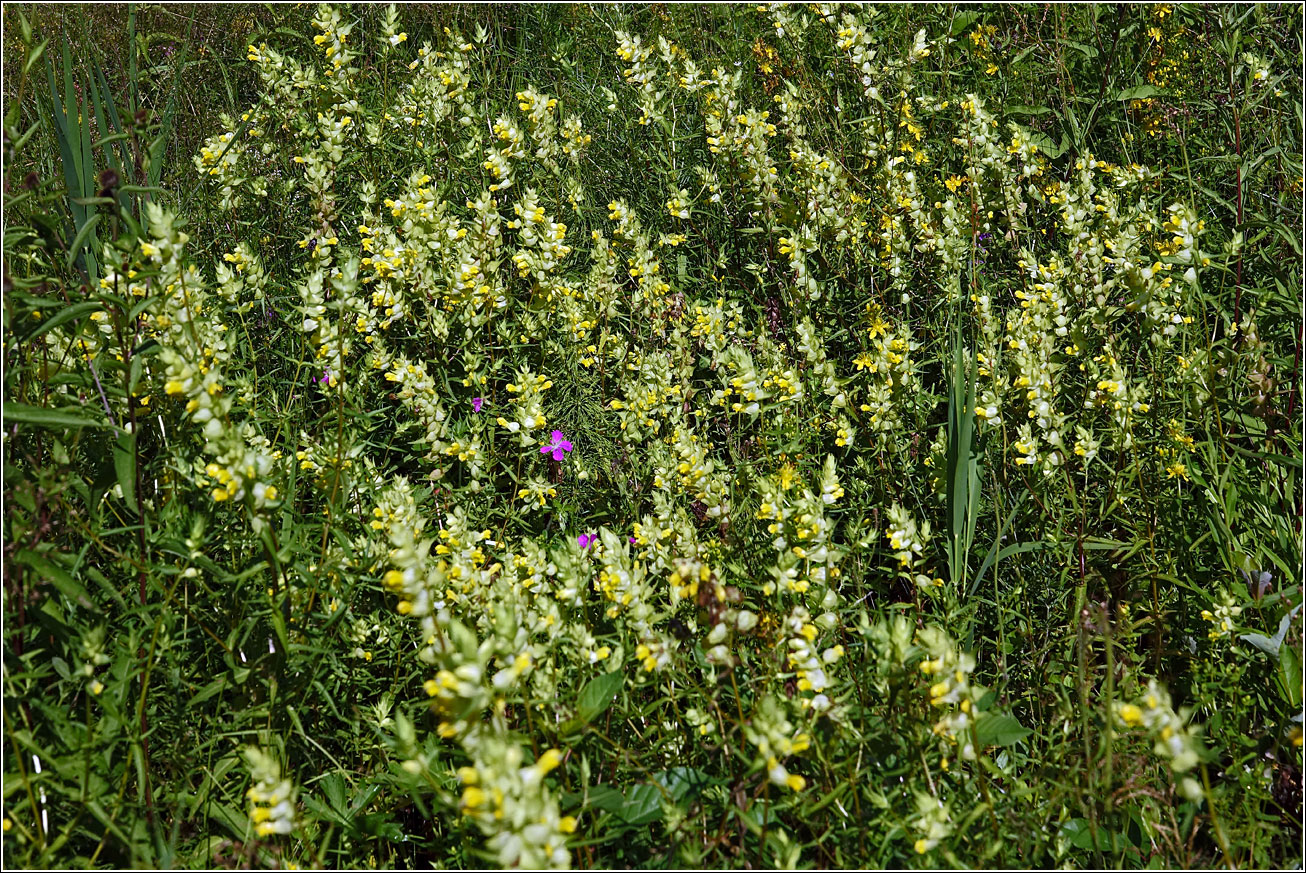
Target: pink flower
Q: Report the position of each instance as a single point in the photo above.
(476, 403)
(326, 376)
(587, 540)
(559, 447)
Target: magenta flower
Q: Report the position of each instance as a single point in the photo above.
(559, 447)
(326, 376)
(476, 403)
(587, 540)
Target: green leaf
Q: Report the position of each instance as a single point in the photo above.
(1290, 675)
(1141, 92)
(1271, 645)
(67, 155)
(680, 782)
(642, 805)
(1079, 833)
(86, 231)
(598, 695)
(60, 578)
(63, 316)
(1041, 141)
(1087, 50)
(42, 416)
(1265, 644)
(961, 21)
(34, 56)
(1000, 729)
(1022, 109)
(995, 553)
(209, 690)
(124, 464)
(333, 786)
(18, 147)
(605, 798)
(323, 811)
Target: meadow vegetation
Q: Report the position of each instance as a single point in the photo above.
(605, 436)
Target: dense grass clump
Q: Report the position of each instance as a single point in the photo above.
(782, 435)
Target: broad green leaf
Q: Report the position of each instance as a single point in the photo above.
(1000, 729)
(642, 805)
(606, 798)
(1265, 644)
(1080, 833)
(963, 20)
(682, 781)
(1041, 141)
(597, 696)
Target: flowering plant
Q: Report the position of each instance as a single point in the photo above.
(558, 446)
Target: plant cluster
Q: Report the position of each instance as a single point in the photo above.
(704, 451)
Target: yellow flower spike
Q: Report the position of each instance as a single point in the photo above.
(549, 761)
(473, 797)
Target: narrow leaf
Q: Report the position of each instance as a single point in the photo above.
(43, 416)
(124, 464)
(57, 576)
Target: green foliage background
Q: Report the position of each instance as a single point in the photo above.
(153, 634)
